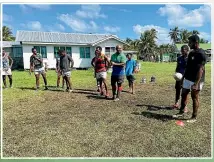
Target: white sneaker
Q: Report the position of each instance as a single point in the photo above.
(192, 120)
(116, 99)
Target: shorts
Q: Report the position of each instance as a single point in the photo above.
(7, 71)
(101, 75)
(178, 84)
(39, 71)
(117, 79)
(130, 78)
(188, 84)
(67, 74)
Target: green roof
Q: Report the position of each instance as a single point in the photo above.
(202, 45)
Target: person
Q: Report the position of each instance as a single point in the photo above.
(100, 65)
(118, 61)
(130, 69)
(59, 74)
(36, 64)
(194, 77)
(92, 64)
(66, 63)
(7, 63)
(180, 68)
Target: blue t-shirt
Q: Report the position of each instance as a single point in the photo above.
(181, 64)
(130, 66)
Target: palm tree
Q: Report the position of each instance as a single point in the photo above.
(174, 34)
(147, 43)
(184, 35)
(7, 34)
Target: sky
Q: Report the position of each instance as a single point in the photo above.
(121, 20)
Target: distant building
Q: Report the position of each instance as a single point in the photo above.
(80, 46)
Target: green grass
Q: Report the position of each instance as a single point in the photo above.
(57, 124)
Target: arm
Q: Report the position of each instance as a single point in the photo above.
(177, 66)
(200, 71)
(92, 62)
(31, 64)
(71, 61)
(11, 61)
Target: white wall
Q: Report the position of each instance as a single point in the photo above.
(78, 62)
(51, 61)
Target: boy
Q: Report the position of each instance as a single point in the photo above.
(181, 66)
(129, 70)
(59, 74)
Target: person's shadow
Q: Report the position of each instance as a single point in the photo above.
(156, 108)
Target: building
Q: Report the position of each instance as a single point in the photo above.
(80, 46)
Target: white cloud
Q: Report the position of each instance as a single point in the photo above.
(77, 24)
(33, 25)
(111, 29)
(182, 17)
(90, 11)
(162, 33)
(26, 7)
(205, 36)
(55, 28)
(7, 18)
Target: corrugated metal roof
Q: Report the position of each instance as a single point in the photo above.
(54, 37)
(10, 43)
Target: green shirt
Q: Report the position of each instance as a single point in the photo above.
(37, 64)
(118, 58)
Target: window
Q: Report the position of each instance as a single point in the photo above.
(42, 50)
(85, 52)
(67, 49)
(17, 52)
(109, 51)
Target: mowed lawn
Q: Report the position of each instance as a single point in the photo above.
(80, 124)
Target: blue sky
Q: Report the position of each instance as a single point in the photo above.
(122, 20)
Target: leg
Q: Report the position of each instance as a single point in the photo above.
(184, 97)
(4, 80)
(119, 83)
(101, 86)
(63, 82)
(177, 93)
(105, 84)
(45, 79)
(114, 86)
(195, 99)
(37, 80)
(10, 80)
(69, 82)
(58, 80)
(132, 84)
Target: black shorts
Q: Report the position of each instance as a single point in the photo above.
(130, 78)
(178, 84)
(117, 79)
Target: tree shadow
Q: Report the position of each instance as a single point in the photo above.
(156, 116)
(156, 108)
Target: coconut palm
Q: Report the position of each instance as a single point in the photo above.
(184, 35)
(174, 34)
(7, 34)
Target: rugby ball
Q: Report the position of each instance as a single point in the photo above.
(178, 76)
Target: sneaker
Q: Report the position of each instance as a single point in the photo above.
(11, 86)
(46, 88)
(70, 90)
(116, 99)
(178, 115)
(191, 120)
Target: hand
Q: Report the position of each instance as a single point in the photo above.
(194, 87)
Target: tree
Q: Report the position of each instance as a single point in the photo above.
(174, 34)
(202, 40)
(7, 34)
(184, 35)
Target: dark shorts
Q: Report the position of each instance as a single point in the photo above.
(130, 78)
(117, 79)
(178, 84)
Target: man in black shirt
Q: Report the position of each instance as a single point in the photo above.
(194, 77)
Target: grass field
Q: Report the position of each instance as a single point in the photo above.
(58, 124)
